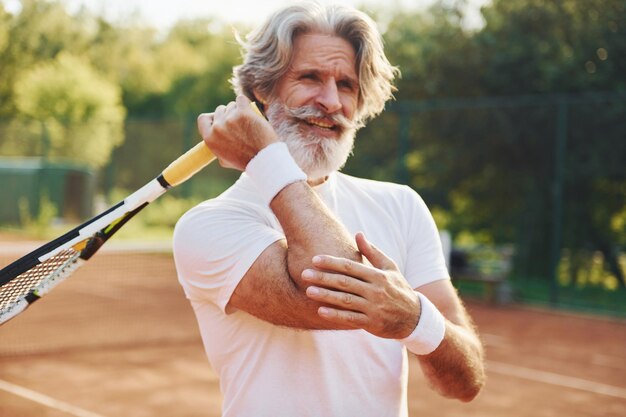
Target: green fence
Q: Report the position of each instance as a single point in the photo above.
(30, 183)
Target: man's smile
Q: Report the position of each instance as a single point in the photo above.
(322, 123)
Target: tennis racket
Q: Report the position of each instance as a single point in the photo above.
(34, 275)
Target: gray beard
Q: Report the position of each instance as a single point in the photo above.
(316, 156)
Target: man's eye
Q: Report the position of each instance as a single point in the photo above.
(308, 77)
(346, 85)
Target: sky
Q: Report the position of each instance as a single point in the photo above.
(164, 13)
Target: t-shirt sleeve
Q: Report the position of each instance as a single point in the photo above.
(215, 245)
(425, 260)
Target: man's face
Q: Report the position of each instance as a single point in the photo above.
(314, 104)
(322, 74)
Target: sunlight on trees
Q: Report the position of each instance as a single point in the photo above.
(81, 112)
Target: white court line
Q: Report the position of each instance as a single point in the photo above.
(45, 400)
(556, 379)
(495, 340)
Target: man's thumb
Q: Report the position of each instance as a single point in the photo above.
(376, 257)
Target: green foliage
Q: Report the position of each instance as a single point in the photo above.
(4, 30)
(185, 71)
(565, 45)
(37, 226)
(576, 269)
(79, 110)
(40, 31)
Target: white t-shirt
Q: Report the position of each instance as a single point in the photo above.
(273, 371)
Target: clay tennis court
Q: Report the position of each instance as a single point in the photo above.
(119, 339)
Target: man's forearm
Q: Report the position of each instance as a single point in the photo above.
(310, 229)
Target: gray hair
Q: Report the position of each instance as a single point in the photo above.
(268, 52)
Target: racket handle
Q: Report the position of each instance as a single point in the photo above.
(188, 164)
(192, 161)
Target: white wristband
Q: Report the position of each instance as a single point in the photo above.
(272, 169)
(430, 329)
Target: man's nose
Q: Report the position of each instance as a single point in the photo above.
(328, 97)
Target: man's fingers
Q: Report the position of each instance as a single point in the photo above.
(344, 266)
(219, 112)
(230, 106)
(376, 257)
(337, 280)
(243, 102)
(205, 122)
(229, 116)
(345, 300)
(344, 317)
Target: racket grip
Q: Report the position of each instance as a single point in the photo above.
(192, 161)
(188, 164)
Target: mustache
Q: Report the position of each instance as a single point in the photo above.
(340, 121)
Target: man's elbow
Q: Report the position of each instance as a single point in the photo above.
(472, 388)
(470, 393)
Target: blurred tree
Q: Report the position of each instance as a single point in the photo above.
(169, 75)
(5, 21)
(196, 59)
(38, 32)
(166, 75)
(212, 54)
(79, 111)
(126, 54)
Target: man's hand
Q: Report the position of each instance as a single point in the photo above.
(235, 133)
(373, 297)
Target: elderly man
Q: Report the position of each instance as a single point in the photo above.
(310, 286)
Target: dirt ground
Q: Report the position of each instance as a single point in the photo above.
(119, 339)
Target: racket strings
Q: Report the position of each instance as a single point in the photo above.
(38, 280)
